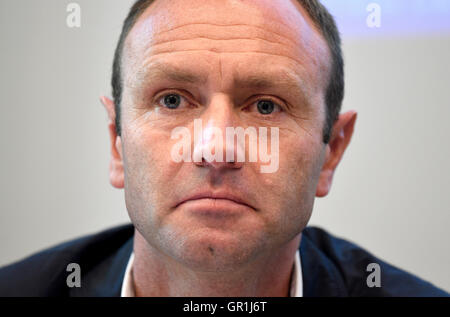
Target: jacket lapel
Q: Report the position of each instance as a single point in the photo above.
(321, 278)
(105, 279)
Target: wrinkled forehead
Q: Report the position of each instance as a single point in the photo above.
(282, 21)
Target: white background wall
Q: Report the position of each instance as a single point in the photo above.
(389, 195)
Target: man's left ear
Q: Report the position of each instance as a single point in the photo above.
(340, 138)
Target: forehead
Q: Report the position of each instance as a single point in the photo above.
(280, 28)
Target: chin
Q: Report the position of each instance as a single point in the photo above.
(210, 250)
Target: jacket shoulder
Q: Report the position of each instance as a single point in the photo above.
(44, 273)
(353, 264)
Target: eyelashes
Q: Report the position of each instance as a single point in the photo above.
(264, 105)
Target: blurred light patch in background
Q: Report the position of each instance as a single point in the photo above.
(398, 17)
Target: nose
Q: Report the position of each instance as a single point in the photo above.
(219, 165)
(212, 147)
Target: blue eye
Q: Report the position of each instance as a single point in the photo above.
(172, 101)
(266, 106)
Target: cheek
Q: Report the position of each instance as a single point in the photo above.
(301, 159)
(147, 153)
(148, 170)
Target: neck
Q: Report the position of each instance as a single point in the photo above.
(156, 274)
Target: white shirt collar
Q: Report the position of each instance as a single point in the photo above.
(127, 284)
(296, 281)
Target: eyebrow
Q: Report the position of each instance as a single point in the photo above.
(287, 79)
(171, 72)
(270, 80)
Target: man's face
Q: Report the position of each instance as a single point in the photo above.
(221, 45)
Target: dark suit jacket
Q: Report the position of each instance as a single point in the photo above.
(330, 267)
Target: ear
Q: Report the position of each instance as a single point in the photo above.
(340, 138)
(116, 173)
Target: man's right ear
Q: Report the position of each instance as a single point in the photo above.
(116, 173)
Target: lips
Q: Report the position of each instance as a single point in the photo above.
(221, 196)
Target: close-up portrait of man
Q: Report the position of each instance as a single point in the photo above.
(225, 124)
